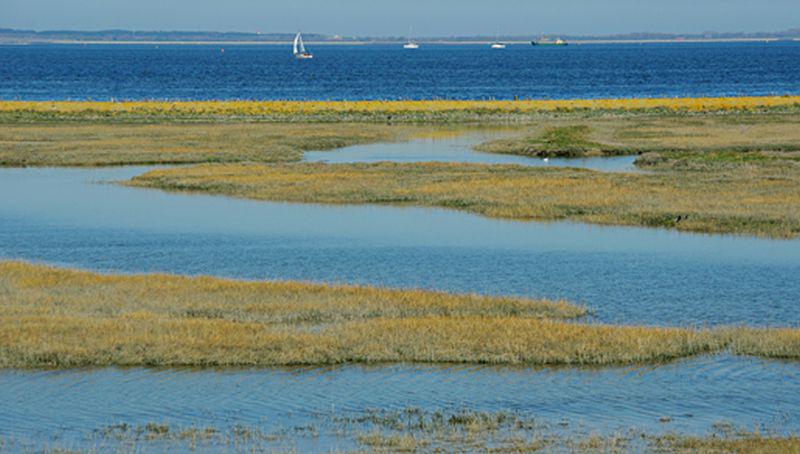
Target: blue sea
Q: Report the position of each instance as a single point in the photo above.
(624, 275)
(349, 72)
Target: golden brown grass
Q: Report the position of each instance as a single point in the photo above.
(757, 200)
(617, 136)
(62, 318)
(88, 144)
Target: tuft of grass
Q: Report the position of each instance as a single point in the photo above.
(754, 201)
(775, 343)
(56, 318)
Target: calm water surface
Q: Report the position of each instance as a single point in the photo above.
(459, 149)
(695, 394)
(101, 72)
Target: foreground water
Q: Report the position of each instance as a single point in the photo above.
(73, 217)
(101, 72)
(69, 408)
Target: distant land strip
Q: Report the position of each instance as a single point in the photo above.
(17, 36)
(430, 41)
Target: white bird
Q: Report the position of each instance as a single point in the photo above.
(546, 159)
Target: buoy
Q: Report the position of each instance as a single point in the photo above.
(222, 51)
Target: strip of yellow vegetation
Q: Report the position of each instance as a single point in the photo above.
(52, 317)
(745, 201)
(316, 108)
(95, 144)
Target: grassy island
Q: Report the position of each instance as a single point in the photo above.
(60, 318)
(739, 199)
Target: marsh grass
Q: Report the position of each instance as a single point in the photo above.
(752, 200)
(560, 141)
(88, 144)
(700, 134)
(62, 319)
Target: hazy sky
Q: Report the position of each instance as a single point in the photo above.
(385, 17)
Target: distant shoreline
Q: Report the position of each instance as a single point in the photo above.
(367, 43)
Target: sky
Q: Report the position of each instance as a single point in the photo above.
(386, 17)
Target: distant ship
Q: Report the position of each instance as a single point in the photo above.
(548, 42)
(300, 52)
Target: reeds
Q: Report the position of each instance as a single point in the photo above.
(62, 318)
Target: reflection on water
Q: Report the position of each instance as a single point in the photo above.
(693, 394)
(459, 149)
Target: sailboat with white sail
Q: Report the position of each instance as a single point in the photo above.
(497, 44)
(300, 51)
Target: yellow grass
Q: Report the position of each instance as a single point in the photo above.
(761, 200)
(95, 144)
(53, 317)
(266, 108)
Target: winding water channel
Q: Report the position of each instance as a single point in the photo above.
(72, 217)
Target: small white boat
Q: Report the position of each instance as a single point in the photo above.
(410, 44)
(300, 52)
(497, 44)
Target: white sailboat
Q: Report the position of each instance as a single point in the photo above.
(410, 44)
(497, 44)
(300, 52)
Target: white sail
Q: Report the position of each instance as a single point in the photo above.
(299, 48)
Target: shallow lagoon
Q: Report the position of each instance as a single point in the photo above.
(70, 407)
(73, 217)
